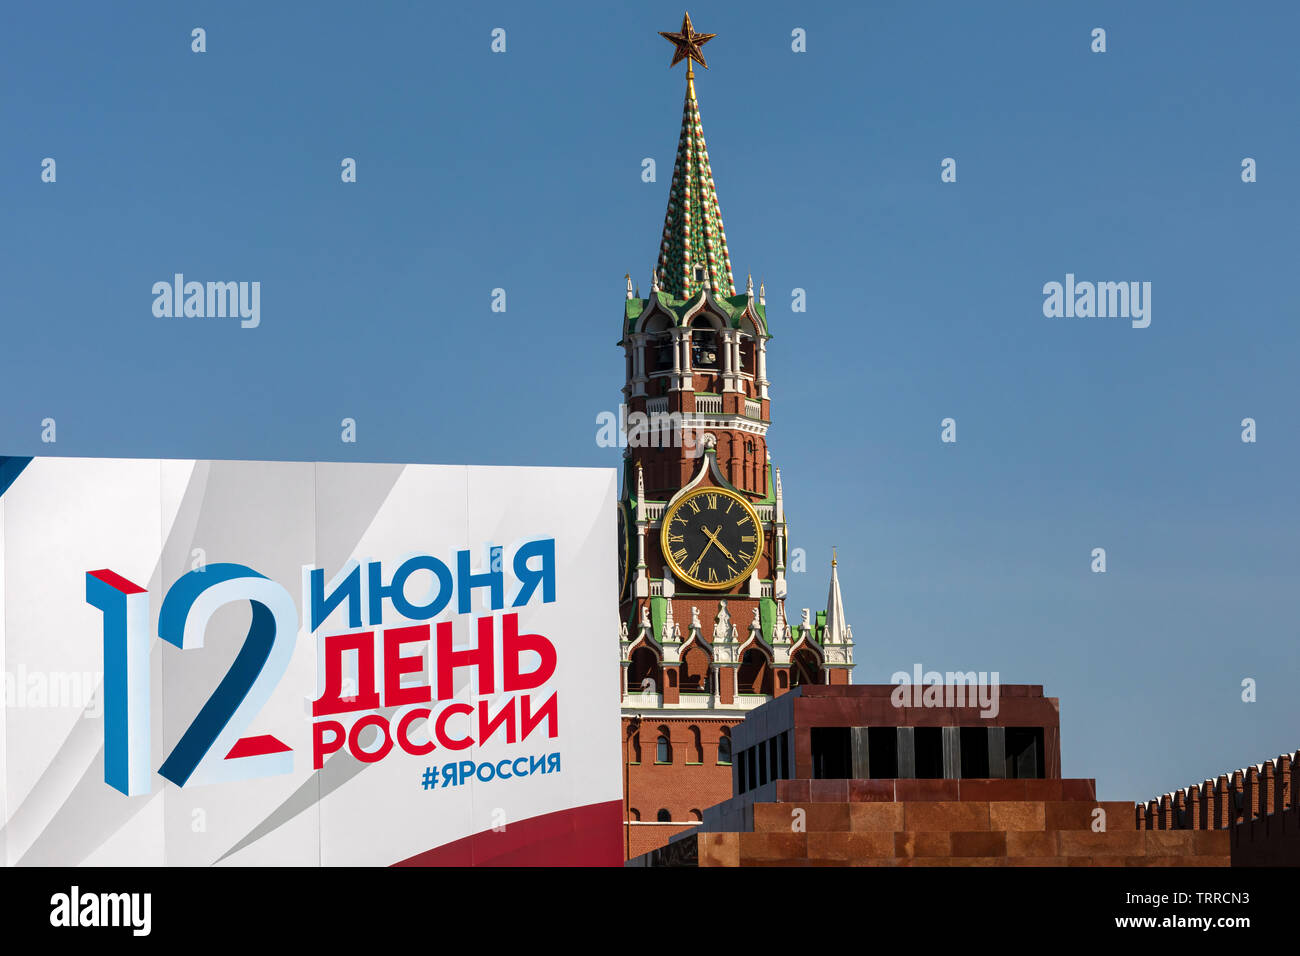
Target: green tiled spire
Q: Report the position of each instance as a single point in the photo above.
(693, 233)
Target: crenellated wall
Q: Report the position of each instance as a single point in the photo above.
(1257, 803)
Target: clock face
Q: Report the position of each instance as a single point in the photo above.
(711, 538)
(623, 548)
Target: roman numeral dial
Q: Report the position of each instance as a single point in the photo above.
(711, 539)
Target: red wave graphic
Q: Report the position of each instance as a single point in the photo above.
(581, 836)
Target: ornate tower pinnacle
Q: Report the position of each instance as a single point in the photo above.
(837, 636)
(693, 254)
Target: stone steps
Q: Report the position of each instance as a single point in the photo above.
(958, 833)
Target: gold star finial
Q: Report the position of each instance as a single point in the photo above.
(688, 44)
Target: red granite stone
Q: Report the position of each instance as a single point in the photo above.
(871, 791)
(1024, 712)
(828, 791)
(1089, 844)
(793, 791)
(1017, 815)
(1079, 789)
(925, 790)
(909, 843)
(824, 817)
(979, 789)
(773, 817)
(718, 849)
(1042, 790)
(785, 847)
(1212, 842)
(1119, 815)
(1179, 843)
(982, 843)
(1069, 814)
(848, 846)
(1031, 843)
(945, 815)
(1035, 861)
(876, 816)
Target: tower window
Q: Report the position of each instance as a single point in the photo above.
(804, 668)
(663, 749)
(661, 349)
(747, 360)
(724, 746)
(704, 344)
(643, 665)
(663, 816)
(695, 671)
(754, 675)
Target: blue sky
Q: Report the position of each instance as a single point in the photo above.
(522, 171)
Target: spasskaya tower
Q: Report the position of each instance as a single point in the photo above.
(703, 538)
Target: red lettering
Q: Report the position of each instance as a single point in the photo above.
(354, 738)
(480, 657)
(332, 701)
(403, 733)
(322, 748)
(549, 710)
(440, 726)
(395, 665)
(488, 725)
(513, 644)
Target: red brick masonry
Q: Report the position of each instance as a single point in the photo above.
(1256, 805)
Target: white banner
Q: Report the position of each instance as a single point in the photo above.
(295, 663)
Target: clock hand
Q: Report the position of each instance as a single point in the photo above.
(696, 566)
(713, 538)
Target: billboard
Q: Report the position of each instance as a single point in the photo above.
(298, 663)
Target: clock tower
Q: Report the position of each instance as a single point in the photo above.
(703, 536)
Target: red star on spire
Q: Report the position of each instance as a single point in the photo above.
(688, 44)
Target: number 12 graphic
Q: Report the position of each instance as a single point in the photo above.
(211, 749)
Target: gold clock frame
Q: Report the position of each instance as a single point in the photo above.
(679, 572)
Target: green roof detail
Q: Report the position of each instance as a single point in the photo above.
(693, 231)
(658, 614)
(733, 306)
(770, 497)
(767, 617)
